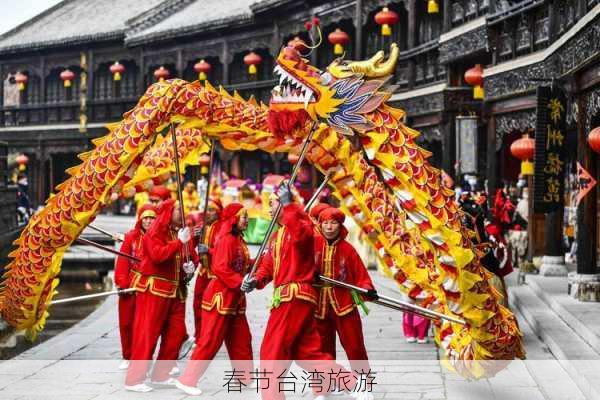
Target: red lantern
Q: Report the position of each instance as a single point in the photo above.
(524, 149)
(293, 158)
(21, 80)
(338, 39)
(386, 18)
(202, 67)
(204, 161)
(474, 77)
(22, 160)
(161, 73)
(67, 76)
(298, 44)
(117, 69)
(594, 139)
(252, 60)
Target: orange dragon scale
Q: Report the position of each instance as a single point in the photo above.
(380, 176)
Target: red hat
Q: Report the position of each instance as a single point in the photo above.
(229, 217)
(147, 210)
(317, 209)
(332, 213)
(161, 192)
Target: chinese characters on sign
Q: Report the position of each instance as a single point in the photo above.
(301, 382)
(549, 149)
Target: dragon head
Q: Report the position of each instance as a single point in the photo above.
(341, 95)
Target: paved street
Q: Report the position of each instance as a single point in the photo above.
(81, 363)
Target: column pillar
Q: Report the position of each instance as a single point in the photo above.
(553, 262)
(584, 285)
(358, 24)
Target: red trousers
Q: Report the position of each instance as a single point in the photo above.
(216, 329)
(156, 317)
(291, 334)
(349, 330)
(126, 316)
(201, 283)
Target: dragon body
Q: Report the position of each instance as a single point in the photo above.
(380, 175)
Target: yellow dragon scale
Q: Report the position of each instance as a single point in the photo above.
(389, 189)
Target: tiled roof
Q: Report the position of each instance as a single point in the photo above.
(76, 21)
(194, 16)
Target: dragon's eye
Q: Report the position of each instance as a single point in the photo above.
(326, 78)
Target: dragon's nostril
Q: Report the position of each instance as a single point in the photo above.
(290, 53)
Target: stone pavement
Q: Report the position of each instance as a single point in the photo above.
(81, 363)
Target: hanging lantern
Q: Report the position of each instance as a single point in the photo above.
(594, 139)
(293, 158)
(161, 73)
(474, 77)
(67, 76)
(117, 70)
(523, 149)
(202, 67)
(298, 44)
(338, 39)
(21, 80)
(252, 60)
(433, 7)
(22, 160)
(204, 163)
(386, 18)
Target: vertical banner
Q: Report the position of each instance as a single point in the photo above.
(83, 93)
(550, 140)
(466, 144)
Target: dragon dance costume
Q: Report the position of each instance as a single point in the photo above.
(337, 307)
(160, 302)
(125, 272)
(204, 271)
(224, 304)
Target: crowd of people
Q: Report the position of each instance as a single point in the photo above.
(305, 313)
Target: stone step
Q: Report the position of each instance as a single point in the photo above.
(580, 360)
(562, 305)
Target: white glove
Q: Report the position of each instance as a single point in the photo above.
(248, 284)
(189, 267)
(284, 194)
(184, 235)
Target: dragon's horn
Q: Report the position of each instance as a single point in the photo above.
(375, 67)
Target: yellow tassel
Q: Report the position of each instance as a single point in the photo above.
(433, 7)
(204, 170)
(21, 86)
(386, 30)
(478, 93)
(117, 76)
(252, 69)
(526, 168)
(202, 76)
(67, 83)
(338, 49)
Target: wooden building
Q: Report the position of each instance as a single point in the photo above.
(519, 43)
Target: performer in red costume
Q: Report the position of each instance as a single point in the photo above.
(315, 211)
(291, 332)
(158, 194)
(337, 308)
(213, 212)
(160, 302)
(224, 304)
(125, 271)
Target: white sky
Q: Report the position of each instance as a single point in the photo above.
(20, 11)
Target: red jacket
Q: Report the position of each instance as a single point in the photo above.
(163, 258)
(340, 261)
(230, 264)
(289, 262)
(126, 268)
(210, 239)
